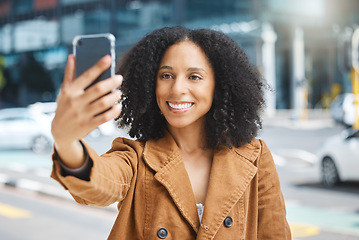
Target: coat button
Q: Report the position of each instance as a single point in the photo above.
(228, 222)
(162, 233)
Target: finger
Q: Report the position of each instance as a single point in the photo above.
(69, 71)
(90, 75)
(112, 113)
(104, 103)
(101, 88)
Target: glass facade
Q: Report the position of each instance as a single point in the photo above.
(41, 32)
(56, 22)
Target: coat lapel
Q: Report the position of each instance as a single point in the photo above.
(232, 171)
(164, 158)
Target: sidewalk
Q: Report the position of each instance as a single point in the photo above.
(32, 174)
(315, 118)
(29, 171)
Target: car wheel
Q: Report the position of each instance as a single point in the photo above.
(330, 175)
(41, 144)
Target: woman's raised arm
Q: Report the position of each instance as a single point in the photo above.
(78, 110)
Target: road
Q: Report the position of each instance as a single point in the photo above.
(313, 211)
(24, 215)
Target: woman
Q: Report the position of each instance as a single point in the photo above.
(196, 171)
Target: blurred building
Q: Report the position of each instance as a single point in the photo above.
(313, 59)
(298, 45)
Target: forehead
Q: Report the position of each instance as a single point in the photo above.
(185, 53)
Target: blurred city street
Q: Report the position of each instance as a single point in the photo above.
(306, 51)
(31, 200)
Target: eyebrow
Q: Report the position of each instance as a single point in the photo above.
(189, 69)
(166, 67)
(196, 69)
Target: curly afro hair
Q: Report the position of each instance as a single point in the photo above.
(234, 117)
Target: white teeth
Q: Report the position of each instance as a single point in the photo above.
(180, 106)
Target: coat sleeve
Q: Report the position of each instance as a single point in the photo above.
(110, 176)
(272, 222)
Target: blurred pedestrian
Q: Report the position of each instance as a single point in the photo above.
(196, 171)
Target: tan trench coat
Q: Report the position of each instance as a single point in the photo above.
(150, 182)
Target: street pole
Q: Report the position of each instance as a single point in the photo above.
(269, 38)
(355, 75)
(299, 87)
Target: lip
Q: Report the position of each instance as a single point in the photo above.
(179, 107)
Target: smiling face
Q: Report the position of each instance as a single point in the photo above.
(185, 85)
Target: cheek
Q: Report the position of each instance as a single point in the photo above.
(159, 89)
(159, 94)
(208, 93)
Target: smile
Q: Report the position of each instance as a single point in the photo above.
(181, 106)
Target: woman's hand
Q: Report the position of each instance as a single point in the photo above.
(78, 111)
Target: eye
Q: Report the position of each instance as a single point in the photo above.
(166, 76)
(195, 77)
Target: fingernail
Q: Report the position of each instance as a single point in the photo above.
(118, 78)
(118, 105)
(106, 58)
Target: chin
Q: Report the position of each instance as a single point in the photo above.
(181, 124)
(177, 125)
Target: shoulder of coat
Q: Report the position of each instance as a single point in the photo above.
(250, 150)
(135, 144)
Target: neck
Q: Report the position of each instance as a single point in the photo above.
(189, 139)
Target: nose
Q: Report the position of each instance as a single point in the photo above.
(179, 86)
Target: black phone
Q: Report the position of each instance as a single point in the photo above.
(89, 49)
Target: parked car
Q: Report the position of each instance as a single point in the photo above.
(343, 109)
(25, 128)
(338, 159)
(106, 129)
(48, 108)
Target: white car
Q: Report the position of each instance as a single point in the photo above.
(343, 109)
(338, 159)
(24, 128)
(48, 108)
(106, 129)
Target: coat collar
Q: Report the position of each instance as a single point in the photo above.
(232, 170)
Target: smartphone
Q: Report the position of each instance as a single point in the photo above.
(89, 49)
